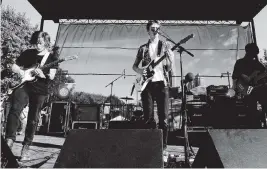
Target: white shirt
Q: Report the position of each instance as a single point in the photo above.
(153, 51)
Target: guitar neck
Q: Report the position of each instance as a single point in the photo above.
(158, 61)
(51, 64)
(261, 76)
(164, 56)
(172, 49)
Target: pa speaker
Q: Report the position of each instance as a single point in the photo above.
(233, 148)
(112, 149)
(8, 160)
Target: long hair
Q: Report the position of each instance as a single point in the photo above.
(44, 35)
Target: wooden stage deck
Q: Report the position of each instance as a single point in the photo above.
(45, 150)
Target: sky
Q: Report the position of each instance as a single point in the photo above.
(97, 60)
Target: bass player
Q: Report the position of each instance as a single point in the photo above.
(157, 89)
(243, 70)
(33, 93)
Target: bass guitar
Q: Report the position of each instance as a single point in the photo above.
(30, 75)
(245, 85)
(143, 80)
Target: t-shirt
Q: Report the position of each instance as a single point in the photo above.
(28, 59)
(159, 72)
(247, 67)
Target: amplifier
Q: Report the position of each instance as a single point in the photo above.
(198, 113)
(220, 90)
(84, 125)
(86, 112)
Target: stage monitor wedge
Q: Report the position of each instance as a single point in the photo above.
(233, 148)
(118, 148)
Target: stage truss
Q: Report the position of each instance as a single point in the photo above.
(140, 22)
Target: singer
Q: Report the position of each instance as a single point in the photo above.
(158, 88)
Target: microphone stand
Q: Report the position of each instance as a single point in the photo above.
(228, 76)
(184, 113)
(111, 86)
(183, 108)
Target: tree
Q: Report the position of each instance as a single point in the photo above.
(81, 98)
(114, 100)
(265, 54)
(15, 32)
(264, 59)
(60, 79)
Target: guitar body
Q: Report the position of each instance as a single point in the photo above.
(30, 76)
(243, 88)
(256, 79)
(143, 80)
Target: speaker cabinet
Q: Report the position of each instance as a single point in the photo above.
(86, 112)
(8, 160)
(111, 149)
(59, 117)
(233, 148)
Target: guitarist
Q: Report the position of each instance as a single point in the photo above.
(33, 93)
(243, 69)
(157, 88)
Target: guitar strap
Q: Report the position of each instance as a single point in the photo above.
(44, 59)
(159, 47)
(164, 71)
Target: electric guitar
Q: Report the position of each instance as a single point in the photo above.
(143, 80)
(30, 75)
(247, 84)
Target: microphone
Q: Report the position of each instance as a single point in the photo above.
(132, 89)
(189, 77)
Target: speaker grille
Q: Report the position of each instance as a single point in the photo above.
(112, 149)
(86, 113)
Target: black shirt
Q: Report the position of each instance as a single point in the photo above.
(28, 59)
(247, 67)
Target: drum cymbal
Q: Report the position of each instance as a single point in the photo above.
(127, 98)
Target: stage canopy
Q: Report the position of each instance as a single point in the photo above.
(112, 48)
(235, 10)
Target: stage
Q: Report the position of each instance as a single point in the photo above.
(45, 150)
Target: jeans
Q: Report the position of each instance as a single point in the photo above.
(20, 98)
(156, 91)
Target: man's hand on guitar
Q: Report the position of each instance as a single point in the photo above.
(140, 71)
(245, 78)
(39, 73)
(22, 73)
(144, 73)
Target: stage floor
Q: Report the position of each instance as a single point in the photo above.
(45, 150)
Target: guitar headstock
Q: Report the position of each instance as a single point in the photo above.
(70, 57)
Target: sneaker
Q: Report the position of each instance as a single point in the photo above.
(25, 153)
(19, 133)
(10, 143)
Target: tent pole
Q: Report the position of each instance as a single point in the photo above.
(253, 31)
(42, 24)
